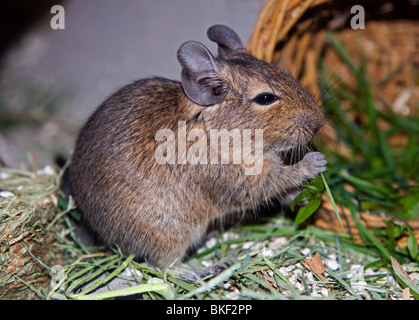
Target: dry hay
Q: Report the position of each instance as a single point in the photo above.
(28, 207)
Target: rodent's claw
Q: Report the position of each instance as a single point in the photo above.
(316, 161)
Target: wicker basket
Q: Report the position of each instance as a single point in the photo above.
(293, 34)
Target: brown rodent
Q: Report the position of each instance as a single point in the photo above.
(157, 210)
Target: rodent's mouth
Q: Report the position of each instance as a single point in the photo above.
(293, 155)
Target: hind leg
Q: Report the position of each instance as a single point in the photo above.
(212, 270)
(216, 268)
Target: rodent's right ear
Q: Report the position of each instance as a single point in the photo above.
(199, 77)
(228, 41)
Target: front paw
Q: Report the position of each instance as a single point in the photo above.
(315, 163)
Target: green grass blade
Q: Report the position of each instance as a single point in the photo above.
(108, 278)
(332, 199)
(365, 233)
(153, 287)
(404, 277)
(279, 274)
(344, 284)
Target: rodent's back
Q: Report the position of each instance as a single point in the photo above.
(112, 176)
(120, 130)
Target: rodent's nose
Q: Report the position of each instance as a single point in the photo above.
(312, 123)
(302, 120)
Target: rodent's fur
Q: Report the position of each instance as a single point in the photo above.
(159, 211)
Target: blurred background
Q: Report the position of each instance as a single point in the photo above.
(52, 80)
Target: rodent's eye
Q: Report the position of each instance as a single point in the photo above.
(217, 91)
(265, 98)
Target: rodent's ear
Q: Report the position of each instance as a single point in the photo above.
(199, 77)
(226, 38)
